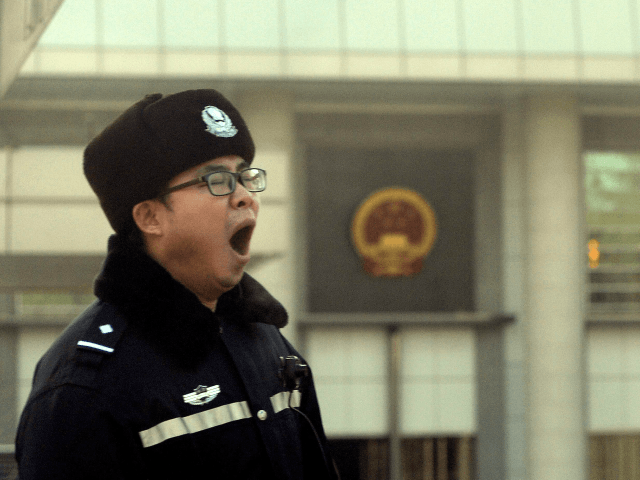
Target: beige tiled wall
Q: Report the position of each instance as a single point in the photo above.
(48, 206)
(32, 343)
(347, 65)
(48, 172)
(273, 233)
(52, 209)
(276, 163)
(58, 228)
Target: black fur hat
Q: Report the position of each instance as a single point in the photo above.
(136, 156)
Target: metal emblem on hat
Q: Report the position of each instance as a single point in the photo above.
(202, 395)
(218, 122)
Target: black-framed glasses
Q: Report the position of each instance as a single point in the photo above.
(224, 183)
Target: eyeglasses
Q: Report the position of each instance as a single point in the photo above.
(224, 183)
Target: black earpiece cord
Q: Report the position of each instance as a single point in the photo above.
(313, 429)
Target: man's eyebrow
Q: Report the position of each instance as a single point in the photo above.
(219, 168)
(211, 168)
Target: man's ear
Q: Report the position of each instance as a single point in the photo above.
(147, 216)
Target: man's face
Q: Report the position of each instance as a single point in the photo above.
(205, 241)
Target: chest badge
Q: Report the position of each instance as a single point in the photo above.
(201, 395)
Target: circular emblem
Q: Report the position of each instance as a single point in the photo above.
(218, 122)
(393, 230)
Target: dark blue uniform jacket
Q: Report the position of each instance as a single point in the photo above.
(149, 384)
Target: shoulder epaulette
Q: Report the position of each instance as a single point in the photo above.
(98, 341)
(104, 331)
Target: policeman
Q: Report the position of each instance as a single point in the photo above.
(176, 371)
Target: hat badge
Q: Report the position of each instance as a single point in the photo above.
(218, 122)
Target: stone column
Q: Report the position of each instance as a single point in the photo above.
(269, 115)
(513, 264)
(554, 290)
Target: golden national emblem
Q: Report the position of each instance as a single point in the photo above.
(393, 230)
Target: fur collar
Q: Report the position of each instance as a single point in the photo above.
(168, 314)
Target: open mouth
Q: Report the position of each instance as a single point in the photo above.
(241, 239)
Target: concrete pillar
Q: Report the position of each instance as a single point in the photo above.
(491, 398)
(270, 117)
(8, 384)
(554, 290)
(513, 264)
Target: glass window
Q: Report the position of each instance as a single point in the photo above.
(312, 24)
(490, 26)
(613, 370)
(432, 26)
(548, 26)
(438, 381)
(52, 303)
(349, 367)
(372, 25)
(130, 24)
(613, 216)
(192, 24)
(606, 27)
(73, 25)
(252, 24)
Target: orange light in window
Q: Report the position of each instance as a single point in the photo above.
(594, 253)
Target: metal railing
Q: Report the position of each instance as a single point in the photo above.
(614, 457)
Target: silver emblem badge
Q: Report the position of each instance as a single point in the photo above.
(218, 122)
(202, 395)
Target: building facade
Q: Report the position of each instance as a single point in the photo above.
(514, 351)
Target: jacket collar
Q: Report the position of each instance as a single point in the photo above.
(171, 316)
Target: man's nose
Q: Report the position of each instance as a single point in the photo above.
(242, 197)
